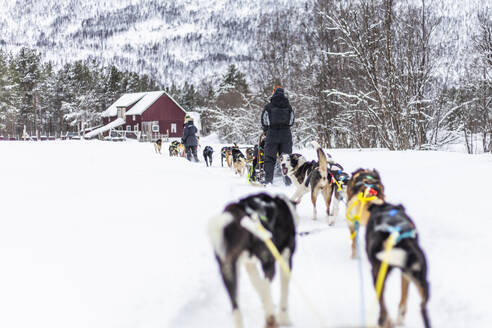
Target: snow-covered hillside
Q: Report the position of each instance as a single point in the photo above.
(173, 41)
(176, 40)
(98, 234)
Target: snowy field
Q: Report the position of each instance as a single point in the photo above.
(100, 235)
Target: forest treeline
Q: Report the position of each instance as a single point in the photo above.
(362, 74)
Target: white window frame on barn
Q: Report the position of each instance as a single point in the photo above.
(173, 128)
(133, 117)
(135, 127)
(128, 127)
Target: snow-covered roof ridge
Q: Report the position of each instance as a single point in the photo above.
(125, 100)
(140, 100)
(145, 102)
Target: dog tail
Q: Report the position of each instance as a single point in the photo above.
(215, 228)
(323, 163)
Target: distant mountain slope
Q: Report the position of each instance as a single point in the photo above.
(163, 38)
(173, 40)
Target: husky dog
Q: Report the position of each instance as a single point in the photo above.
(176, 149)
(226, 153)
(233, 243)
(238, 161)
(207, 155)
(339, 182)
(309, 176)
(406, 255)
(158, 146)
(250, 154)
(366, 183)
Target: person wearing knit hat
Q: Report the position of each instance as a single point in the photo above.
(187, 118)
(276, 119)
(190, 139)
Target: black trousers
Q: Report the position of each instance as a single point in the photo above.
(271, 151)
(191, 150)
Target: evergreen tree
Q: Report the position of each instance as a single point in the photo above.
(234, 80)
(25, 73)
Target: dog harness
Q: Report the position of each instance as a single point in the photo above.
(395, 220)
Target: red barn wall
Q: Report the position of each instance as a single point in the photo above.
(130, 121)
(166, 112)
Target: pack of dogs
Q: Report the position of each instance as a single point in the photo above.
(176, 148)
(235, 243)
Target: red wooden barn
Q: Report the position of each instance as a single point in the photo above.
(146, 113)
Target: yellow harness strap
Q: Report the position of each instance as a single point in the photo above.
(388, 246)
(285, 267)
(336, 182)
(362, 199)
(273, 249)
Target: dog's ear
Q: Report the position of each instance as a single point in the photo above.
(294, 159)
(357, 171)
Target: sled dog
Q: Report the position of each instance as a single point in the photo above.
(234, 243)
(158, 146)
(238, 161)
(207, 155)
(309, 176)
(386, 219)
(226, 153)
(364, 183)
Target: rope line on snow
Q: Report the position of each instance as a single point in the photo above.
(362, 198)
(361, 276)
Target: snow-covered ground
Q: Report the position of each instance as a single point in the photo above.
(99, 234)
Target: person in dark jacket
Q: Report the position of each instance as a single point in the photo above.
(276, 119)
(190, 139)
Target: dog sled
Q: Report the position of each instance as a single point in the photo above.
(256, 173)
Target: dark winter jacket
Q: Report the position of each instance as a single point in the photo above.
(277, 118)
(189, 134)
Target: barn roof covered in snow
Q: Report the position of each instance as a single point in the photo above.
(126, 100)
(140, 101)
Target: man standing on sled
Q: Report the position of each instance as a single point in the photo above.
(276, 119)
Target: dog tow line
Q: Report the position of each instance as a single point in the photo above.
(311, 232)
(355, 220)
(253, 225)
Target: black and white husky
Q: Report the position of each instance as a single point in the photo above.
(384, 220)
(314, 177)
(235, 240)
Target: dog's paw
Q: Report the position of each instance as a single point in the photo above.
(388, 324)
(271, 322)
(331, 220)
(283, 319)
(400, 320)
